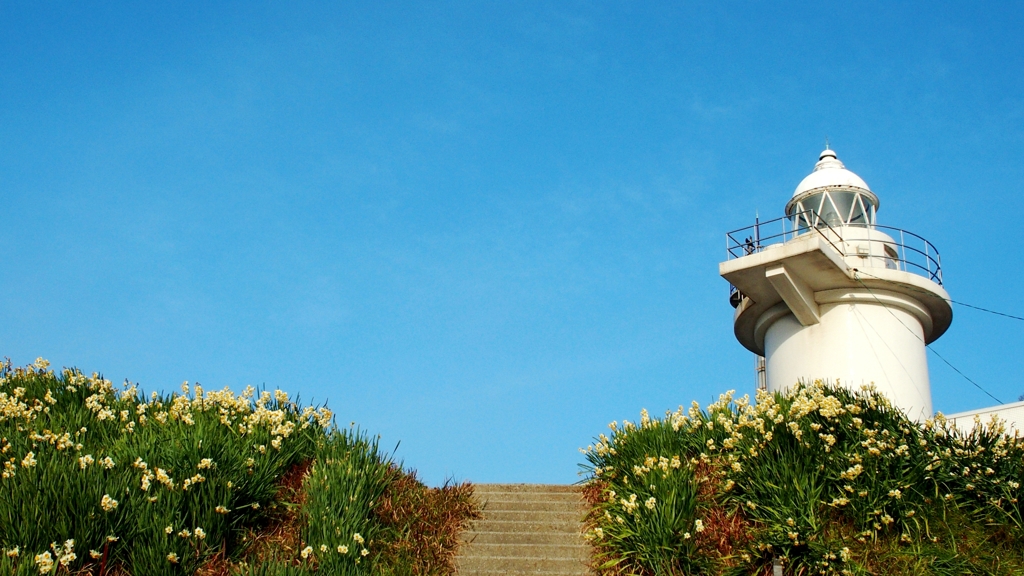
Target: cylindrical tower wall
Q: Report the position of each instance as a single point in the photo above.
(857, 341)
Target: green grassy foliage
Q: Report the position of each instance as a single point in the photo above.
(97, 480)
(827, 480)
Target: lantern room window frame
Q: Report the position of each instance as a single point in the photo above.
(819, 207)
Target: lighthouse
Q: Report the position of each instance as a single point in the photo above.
(827, 293)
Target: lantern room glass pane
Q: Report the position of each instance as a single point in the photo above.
(844, 202)
(859, 216)
(810, 203)
(802, 218)
(833, 208)
(829, 213)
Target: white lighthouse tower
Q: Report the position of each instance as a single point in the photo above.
(827, 293)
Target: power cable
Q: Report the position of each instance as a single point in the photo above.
(957, 370)
(933, 351)
(950, 300)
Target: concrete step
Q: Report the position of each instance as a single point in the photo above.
(563, 516)
(505, 549)
(541, 538)
(528, 564)
(516, 571)
(525, 526)
(514, 488)
(533, 529)
(492, 504)
(553, 497)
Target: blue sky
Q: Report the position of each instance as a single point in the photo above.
(484, 230)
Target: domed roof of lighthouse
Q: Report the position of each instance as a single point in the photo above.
(832, 195)
(829, 171)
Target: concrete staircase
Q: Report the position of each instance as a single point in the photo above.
(526, 529)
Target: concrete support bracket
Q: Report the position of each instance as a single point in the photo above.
(795, 293)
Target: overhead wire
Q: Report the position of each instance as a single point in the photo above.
(916, 335)
(950, 300)
(891, 351)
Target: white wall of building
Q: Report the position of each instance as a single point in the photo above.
(857, 341)
(1012, 414)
